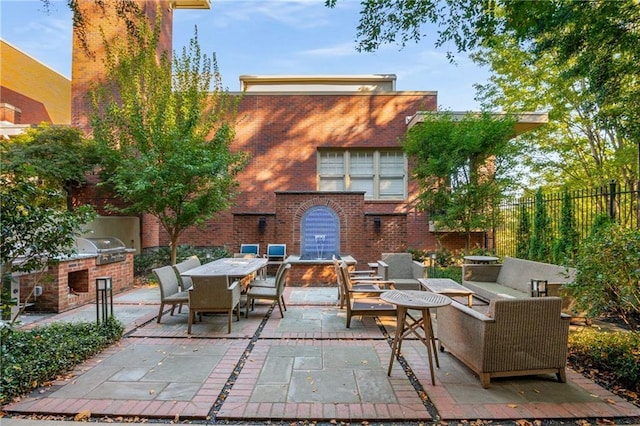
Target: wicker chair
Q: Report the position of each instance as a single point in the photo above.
(185, 265)
(213, 294)
(170, 293)
(363, 301)
(516, 337)
(271, 293)
(401, 269)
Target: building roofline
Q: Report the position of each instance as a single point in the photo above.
(191, 4)
(34, 59)
(298, 78)
(336, 93)
(527, 121)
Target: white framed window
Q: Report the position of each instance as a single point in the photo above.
(381, 174)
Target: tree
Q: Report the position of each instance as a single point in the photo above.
(35, 232)
(595, 44)
(539, 246)
(126, 10)
(577, 149)
(565, 246)
(38, 170)
(463, 167)
(165, 138)
(58, 157)
(524, 233)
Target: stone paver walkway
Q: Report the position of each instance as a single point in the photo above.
(305, 366)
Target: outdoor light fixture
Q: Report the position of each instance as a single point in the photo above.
(104, 298)
(377, 225)
(538, 287)
(103, 283)
(262, 224)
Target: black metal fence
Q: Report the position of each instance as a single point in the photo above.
(617, 202)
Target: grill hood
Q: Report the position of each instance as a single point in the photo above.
(108, 249)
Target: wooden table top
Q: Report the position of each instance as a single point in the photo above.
(415, 299)
(233, 267)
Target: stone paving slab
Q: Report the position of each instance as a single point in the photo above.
(304, 366)
(144, 378)
(458, 395)
(320, 379)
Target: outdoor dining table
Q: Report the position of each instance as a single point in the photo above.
(408, 325)
(234, 268)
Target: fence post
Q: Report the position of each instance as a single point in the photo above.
(612, 200)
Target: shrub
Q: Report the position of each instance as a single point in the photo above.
(608, 277)
(452, 272)
(33, 357)
(615, 352)
(145, 262)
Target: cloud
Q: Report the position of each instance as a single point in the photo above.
(337, 50)
(296, 14)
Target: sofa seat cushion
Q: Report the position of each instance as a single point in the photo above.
(491, 290)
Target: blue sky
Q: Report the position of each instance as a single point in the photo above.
(265, 37)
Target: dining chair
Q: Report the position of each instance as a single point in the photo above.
(357, 282)
(250, 249)
(170, 293)
(276, 253)
(363, 302)
(185, 265)
(244, 255)
(275, 293)
(213, 294)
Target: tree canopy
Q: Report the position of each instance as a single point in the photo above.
(593, 46)
(464, 167)
(58, 157)
(165, 132)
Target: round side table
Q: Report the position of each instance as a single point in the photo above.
(408, 325)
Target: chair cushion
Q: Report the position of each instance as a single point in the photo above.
(182, 296)
(262, 291)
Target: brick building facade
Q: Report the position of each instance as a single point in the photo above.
(284, 123)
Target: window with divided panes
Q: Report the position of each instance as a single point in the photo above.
(381, 174)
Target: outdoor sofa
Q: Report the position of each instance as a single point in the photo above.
(515, 337)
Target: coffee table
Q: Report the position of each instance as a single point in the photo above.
(481, 259)
(448, 287)
(408, 325)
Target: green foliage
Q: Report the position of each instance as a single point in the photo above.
(463, 166)
(165, 133)
(524, 233)
(58, 157)
(37, 225)
(601, 221)
(539, 247)
(614, 352)
(34, 234)
(31, 358)
(451, 272)
(565, 246)
(577, 60)
(608, 277)
(576, 149)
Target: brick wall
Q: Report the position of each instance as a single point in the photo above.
(72, 283)
(87, 63)
(282, 133)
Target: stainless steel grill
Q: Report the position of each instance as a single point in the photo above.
(108, 249)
